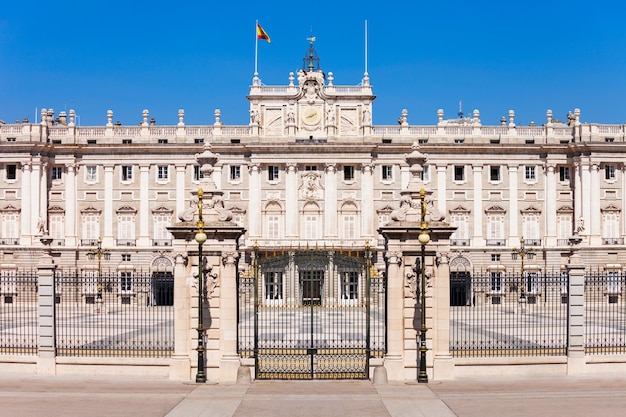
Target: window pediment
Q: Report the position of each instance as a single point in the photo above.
(530, 210)
(611, 208)
(126, 210)
(495, 210)
(460, 210)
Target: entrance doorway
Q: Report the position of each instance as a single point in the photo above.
(461, 289)
(311, 284)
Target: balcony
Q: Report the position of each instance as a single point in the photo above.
(161, 242)
(562, 242)
(58, 242)
(532, 242)
(612, 240)
(9, 241)
(459, 242)
(126, 242)
(89, 242)
(495, 242)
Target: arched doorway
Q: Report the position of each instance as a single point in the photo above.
(460, 282)
(162, 282)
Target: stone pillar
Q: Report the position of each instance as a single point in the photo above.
(291, 201)
(180, 188)
(479, 239)
(578, 192)
(144, 205)
(576, 312)
(367, 200)
(443, 363)
(71, 239)
(107, 238)
(254, 204)
(395, 315)
(26, 226)
(586, 196)
(441, 190)
(550, 216)
(513, 207)
(330, 202)
(229, 358)
(595, 214)
(43, 194)
(34, 198)
(180, 363)
(46, 359)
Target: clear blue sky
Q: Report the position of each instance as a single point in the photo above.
(199, 55)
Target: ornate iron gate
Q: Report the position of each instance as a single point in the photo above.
(316, 314)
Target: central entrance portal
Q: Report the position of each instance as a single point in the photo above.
(312, 314)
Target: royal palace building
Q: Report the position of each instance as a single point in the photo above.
(311, 172)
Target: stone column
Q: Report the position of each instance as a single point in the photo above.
(330, 201)
(71, 239)
(395, 315)
(180, 363)
(180, 188)
(441, 190)
(443, 363)
(367, 200)
(478, 205)
(623, 213)
(576, 312)
(229, 358)
(586, 196)
(291, 201)
(144, 205)
(513, 207)
(595, 215)
(107, 238)
(43, 194)
(34, 198)
(26, 203)
(254, 204)
(550, 207)
(578, 192)
(46, 359)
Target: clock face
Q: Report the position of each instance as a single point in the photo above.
(311, 116)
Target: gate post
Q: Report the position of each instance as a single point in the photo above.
(46, 355)
(443, 363)
(576, 313)
(394, 359)
(229, 358)
(180, 363)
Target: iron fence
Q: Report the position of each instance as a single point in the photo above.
(605, 312)
(18, 313)
(123, 314)
(504, 314)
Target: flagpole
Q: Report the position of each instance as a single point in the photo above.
(256, 50)
(366, 47)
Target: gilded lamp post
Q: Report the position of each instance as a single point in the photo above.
(522, 252)
(200, 238)
(423, 238)
(99, 253)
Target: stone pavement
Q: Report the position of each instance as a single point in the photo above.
(51, 396)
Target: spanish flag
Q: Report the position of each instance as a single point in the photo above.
(261, 34)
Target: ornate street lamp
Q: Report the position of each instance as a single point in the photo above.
(99, 253)
(200, 238)
(522, 252)
(423, 238)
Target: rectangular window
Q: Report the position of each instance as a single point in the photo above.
(197, 175)
(273, 226)
(530, 227)
(310, 168)
(198, 140)
(349, 226)
(564, 226)
(425, 175)
(126, 257)
(496, 282)
(127, 141)
(273, 285)
(235, 173)
(350, 285)
(11, 172)
(495, 227)
(126, 281)
(91, 227)
(311, 226)
(530, 173)
(613, 284)
(272, 173)
(459, 173)
(494, 173)
(57, 173)
(563, 173)
(459, 141)
(127, 173)
(162, 141)
(387, 172)
(348, 173)
(162, 172)
(495, 257)
(10, 229)
(91, 174)
(160, 232)
(609, 172)
(610, 226)
(126, 227)
(57, 227)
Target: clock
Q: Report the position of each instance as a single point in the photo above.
(311, 116)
